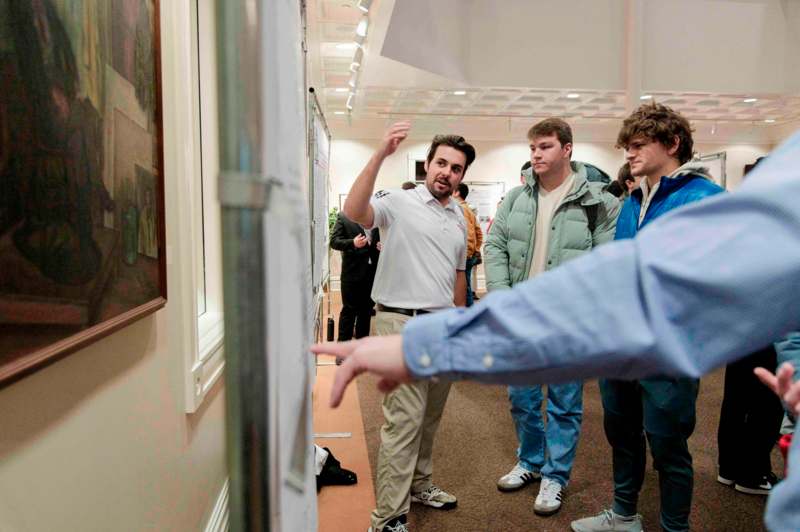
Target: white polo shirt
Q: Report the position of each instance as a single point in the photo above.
(423, 244)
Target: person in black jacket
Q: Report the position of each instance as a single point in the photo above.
(360, 250)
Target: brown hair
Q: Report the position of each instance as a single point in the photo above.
(552, 126)
(658, 123)
(624, 174)
(457, 143)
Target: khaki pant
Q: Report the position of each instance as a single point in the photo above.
(412, 413)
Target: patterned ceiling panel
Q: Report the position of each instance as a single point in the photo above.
(332, 28)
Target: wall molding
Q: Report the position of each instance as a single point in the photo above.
(218, 522)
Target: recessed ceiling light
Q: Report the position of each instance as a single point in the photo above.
(573, 95)
(347, 45)
(459, 93)
(646, 97)
(361, 29)
(750, 100)
(770, 120)
(341, 89)
(338, 112)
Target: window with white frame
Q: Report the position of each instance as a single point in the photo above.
(205, 360)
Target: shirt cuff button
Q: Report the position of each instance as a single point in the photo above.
(425, 361)
(488, 361)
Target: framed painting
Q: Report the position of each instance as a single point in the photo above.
(82, 237)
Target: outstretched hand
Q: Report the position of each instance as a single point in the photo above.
(394, 136)
(379, 355)
(781, 383)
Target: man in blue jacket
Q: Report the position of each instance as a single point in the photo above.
(658, 146)
(708, 284)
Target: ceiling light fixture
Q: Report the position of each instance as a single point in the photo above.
(770, 120)
(361, 29)
(459, 93)
(364, 5)
(341, 89)
(750, 100)
(338, 112)
(573, 95)
(646, 97)
(358, 58)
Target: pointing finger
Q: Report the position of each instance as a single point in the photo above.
(348, 371)
(339, 349)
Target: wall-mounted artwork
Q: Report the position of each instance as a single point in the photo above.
(81, 175)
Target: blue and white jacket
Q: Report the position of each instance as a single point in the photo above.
(687, 184)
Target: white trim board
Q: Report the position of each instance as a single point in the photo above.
(218, 522)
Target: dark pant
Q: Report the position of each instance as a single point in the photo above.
(662, 410)
(354, 318)
(750, 419)
(471, 263)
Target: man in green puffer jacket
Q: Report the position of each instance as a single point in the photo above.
(556, 216)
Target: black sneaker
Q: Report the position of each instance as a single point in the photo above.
(762, 487)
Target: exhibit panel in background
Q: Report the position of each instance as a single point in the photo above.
(82, 240)
(484, 199)
(319, 148)
(715, 164)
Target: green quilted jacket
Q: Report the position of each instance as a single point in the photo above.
(585, 219)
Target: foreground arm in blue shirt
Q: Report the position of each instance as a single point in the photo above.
(705, 285)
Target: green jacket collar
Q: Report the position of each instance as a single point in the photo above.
(580, 187)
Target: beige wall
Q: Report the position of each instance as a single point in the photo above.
(99, 441)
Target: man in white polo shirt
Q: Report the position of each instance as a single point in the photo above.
(421, 270)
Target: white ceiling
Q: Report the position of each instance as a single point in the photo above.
(401, 77)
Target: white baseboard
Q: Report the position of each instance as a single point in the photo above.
(218, 522)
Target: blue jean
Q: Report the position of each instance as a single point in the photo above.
(550, 450)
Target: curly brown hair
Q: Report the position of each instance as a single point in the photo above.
(658, 123)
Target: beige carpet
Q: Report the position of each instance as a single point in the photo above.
(476, 445)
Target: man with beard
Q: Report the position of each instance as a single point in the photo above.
(421, 271)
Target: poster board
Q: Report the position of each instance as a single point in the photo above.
(319, 160)
(715, 163)
(484, 197)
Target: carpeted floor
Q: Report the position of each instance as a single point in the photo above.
(476, 445)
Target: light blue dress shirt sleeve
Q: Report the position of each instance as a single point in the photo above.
(707, 284)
